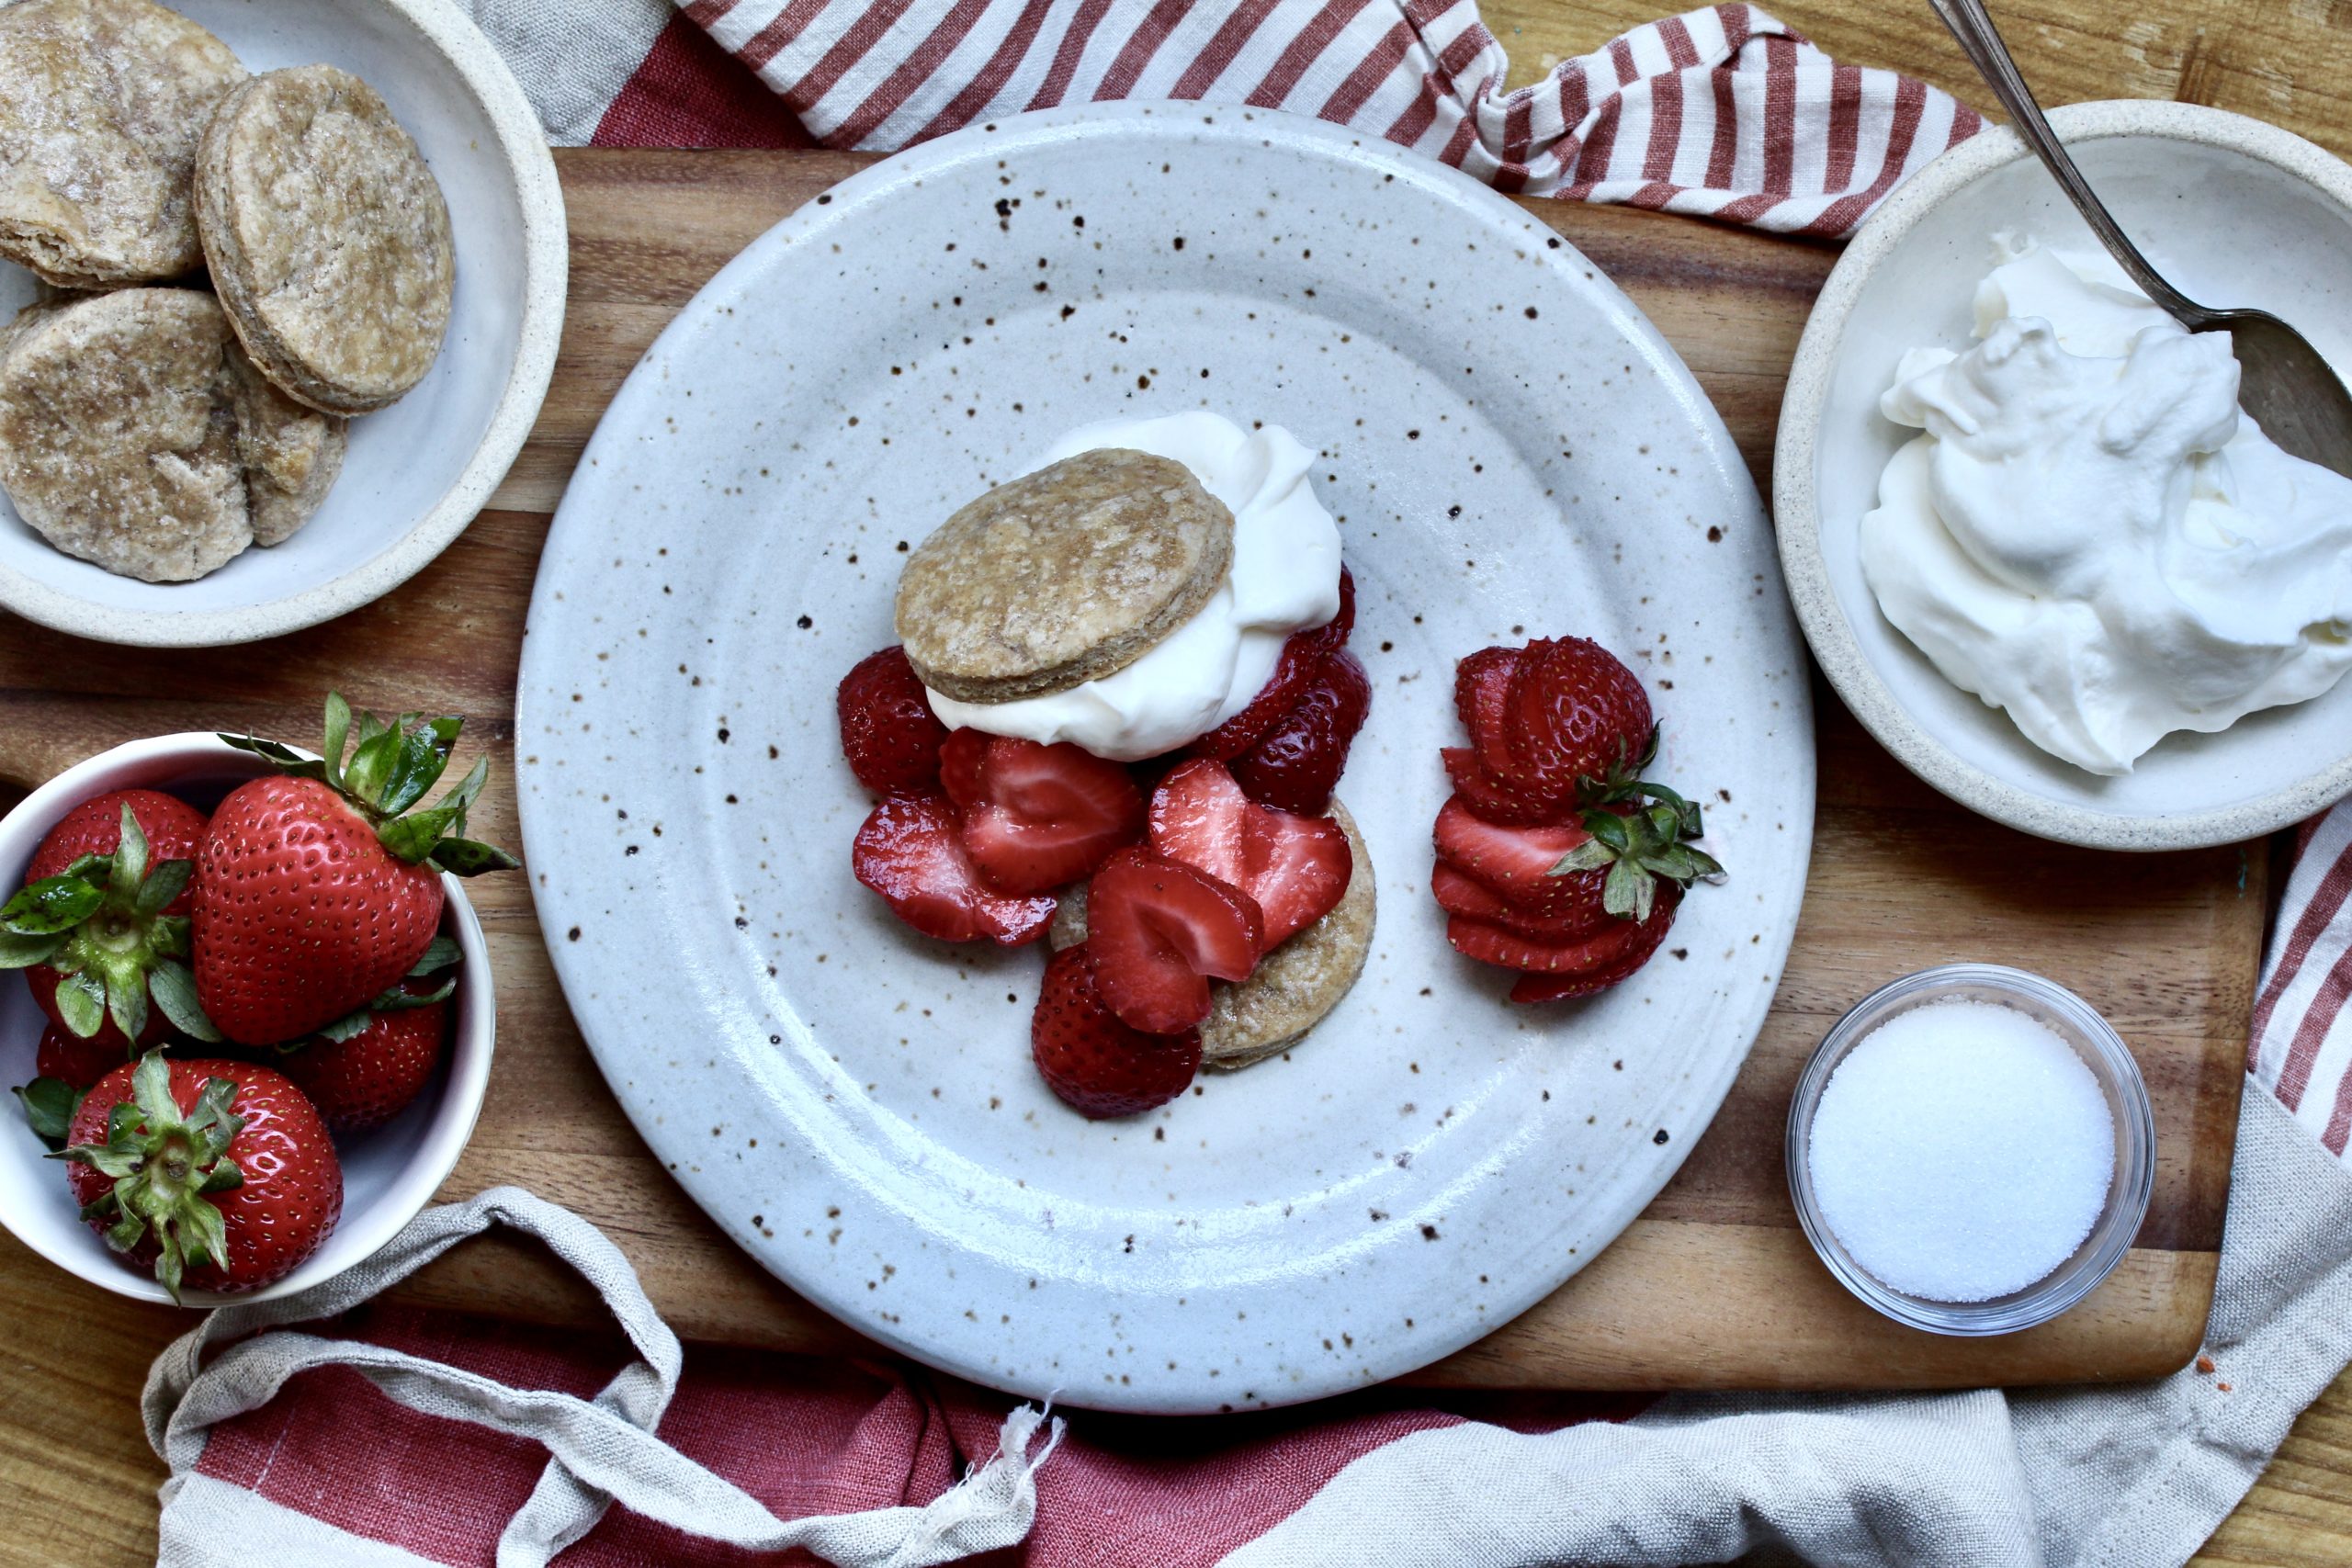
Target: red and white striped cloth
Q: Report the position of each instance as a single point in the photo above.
(1723, 112)
(2300, 1046)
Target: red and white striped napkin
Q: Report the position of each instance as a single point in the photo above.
(1722, 112)
(1725, 112)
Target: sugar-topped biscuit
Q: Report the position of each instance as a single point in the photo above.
(1293, 987)
(1062, 576)
(134, 435)
(101, 105)
(327, 236)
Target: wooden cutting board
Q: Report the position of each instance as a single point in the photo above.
(1712, 1287)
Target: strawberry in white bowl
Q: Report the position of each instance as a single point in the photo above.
(397, 1081)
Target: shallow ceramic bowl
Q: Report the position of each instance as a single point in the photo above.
(418, 472)
(388, 1175)
(2233, 211)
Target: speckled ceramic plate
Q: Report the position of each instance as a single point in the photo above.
(1511, 450)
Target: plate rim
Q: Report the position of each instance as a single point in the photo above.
(545, 275)
(1701, 1093)
(1796, 512)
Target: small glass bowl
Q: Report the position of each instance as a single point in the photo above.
(2101, 1050)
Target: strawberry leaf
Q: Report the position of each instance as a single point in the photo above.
(130, 864)
(127, 1005)
(165, 882)
(21, 951)
(464, 857)
(418, 762)
(50, 1104)
(173, 985)
(338, 735)
(52, 905)
(441, 952)
(285, 759)
(81, 1002)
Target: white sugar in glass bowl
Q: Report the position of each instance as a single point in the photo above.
(418, 472)
(2111, 1068)
(2233, 211)
(389, 1174)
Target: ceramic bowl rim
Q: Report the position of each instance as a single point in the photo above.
(530, 167)
(472, 1037)
(1796, 510)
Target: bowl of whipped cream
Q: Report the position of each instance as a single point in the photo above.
(2035, 543)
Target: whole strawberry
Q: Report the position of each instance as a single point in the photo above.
(363, 1070)
(218, 1173)
(101, 932)
(318, 888)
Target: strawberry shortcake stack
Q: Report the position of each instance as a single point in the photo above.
(1119, 705)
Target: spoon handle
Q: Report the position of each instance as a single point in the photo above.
(1981, 43)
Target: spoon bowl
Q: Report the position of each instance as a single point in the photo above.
(2283, 382)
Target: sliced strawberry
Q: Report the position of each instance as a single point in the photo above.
(1502, 799)
(1037, 817)
(1158, 929)
(1099, 1067)
(1295, 867)
(1593, 952)
(910, 851)
(1574, 711)
(889, 732)
(1298, 763)
(1515, 863)
(1304, 655)
(961, 756)
(1481, 683)
(1531, 989)
(1457, 893)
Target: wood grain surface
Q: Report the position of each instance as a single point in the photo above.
(1712, 1271)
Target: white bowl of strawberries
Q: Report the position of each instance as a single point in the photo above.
(283, 936)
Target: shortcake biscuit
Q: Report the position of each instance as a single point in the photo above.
(327, 236)
(1062, 576)
(101, 105)
(133, 435)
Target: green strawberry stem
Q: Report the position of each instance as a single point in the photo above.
(100, 924)
(388, 769)
(165, 1169)
(1642, 847)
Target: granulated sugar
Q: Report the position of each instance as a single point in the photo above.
(1962, 1150)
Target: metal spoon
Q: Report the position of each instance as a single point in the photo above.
(2282, 381)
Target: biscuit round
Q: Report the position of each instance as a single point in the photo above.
(327, 236)
(133, 435)
(101, 105)
(1292, 988)
(1062, 576)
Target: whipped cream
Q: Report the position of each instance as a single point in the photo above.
(1284, 578)
(2091, 536)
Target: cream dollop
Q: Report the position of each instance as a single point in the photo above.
(2091, 536)
(1284, 578)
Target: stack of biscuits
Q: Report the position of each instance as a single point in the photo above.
(150, 423)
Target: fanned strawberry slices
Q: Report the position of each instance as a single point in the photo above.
(1554, 857)
(1296, 868)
